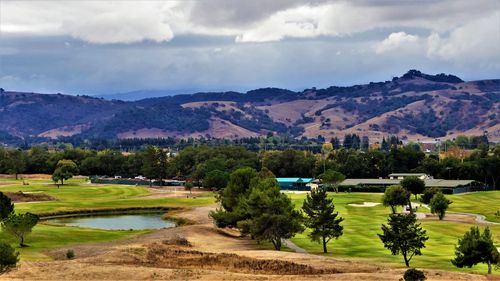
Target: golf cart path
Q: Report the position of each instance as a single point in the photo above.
(294, 247)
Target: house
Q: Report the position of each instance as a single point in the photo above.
(295, 183)
(400, 176)
(447, 186)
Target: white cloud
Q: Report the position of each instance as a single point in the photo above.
(396, 40)
(478, 40)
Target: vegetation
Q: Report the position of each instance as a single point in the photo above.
(20, 225)
(65, 169)
(414, 274)
(413, 185)
(428, 194)
(321, 217)
(272, 216)
(404, 236)
(8, 257)
(439, 204)
(332, 179)
(474, 248)
(395, 196)
(6, 206)
(70, 254)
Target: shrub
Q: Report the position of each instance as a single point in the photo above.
(428, 194)
(70, 254)
(8, 257)
(414, 274)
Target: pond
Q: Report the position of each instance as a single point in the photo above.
(117, 222)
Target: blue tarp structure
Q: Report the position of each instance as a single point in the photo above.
(294, 183)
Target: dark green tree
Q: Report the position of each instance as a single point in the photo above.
(394, 196)
(439, 204)
(403, 235)
(331, 179)
(20, 225)
(155, 164)
(6, 206)
(321, 217)
(65, 169)
(8, 257)
(231, 197)
(474, 248)
(429, 192)
(216, 179)
(414, 185)
(272, 216)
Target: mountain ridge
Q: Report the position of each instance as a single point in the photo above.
(415, 106)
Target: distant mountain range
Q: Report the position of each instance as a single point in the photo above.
(413, 106)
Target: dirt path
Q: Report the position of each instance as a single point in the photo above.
(203, 252)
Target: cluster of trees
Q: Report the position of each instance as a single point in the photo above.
(403, 235)
(213, 164)
(253, 203)
(18, 225)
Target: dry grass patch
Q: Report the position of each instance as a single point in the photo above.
(170, 256)
(29, 197)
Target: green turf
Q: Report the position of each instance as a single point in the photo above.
(78, 195)
(485, 203)
(362, 224)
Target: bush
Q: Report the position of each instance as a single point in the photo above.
(70, 254)
(428, 194)
(8, 257)
(414, 274)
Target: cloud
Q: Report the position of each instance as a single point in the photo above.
(396, 40)
(477, 41)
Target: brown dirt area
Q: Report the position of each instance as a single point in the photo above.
(28, 197)
(202, 252)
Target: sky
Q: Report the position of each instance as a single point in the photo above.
(105, 47)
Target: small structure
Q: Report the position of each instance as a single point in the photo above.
(379, 185)
(400, 176)
(295, 183)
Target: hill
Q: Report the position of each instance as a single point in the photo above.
(413, 106)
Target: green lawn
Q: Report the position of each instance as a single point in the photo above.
(485, 203)
(362, 224)
(78, 195)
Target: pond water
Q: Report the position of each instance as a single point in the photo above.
(117, 222)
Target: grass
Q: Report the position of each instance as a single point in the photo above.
(361, 226)
(78, 195)
(485, 203)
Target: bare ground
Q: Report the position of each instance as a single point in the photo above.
(202, 252)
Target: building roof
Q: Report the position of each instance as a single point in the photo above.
(306, 180)
(407, 174)
(428, 182)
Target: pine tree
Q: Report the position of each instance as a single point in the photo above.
(321, 218)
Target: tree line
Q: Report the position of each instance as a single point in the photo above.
(213, 164)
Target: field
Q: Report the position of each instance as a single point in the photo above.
(358, 253)
(78, 195)
(362, 224)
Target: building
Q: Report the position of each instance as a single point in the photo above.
(295, 183)
(447, 186)
(401, 176)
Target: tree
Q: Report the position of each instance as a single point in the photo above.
(439, 204)
(414, 274)
(321, 217)
(8, 257)
(394, 196)
(414, 185)
(216, 179)
(20, 225)
(332, 178)
(474, 248)
(272, 216)
(428, 194)
(6, 206)
(155, 164)
(65, 169)
(231, 197)
(404, 236)
(16, 162)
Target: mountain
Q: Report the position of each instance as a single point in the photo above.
(413, 106)
(142, 94)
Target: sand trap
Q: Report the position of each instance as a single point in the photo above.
(365, 204)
